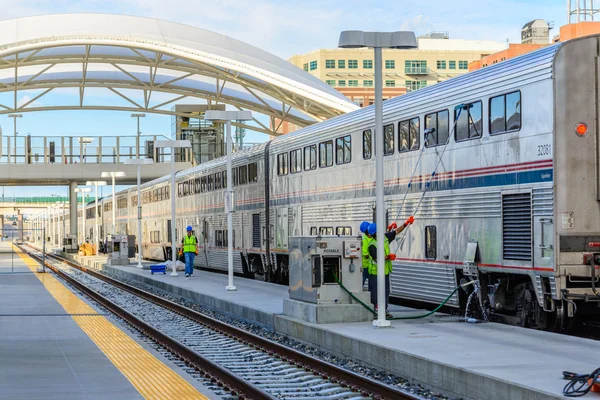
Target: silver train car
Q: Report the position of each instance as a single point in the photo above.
(519, 178)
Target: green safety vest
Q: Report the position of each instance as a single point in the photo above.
(373, 263)
(366, 258)
(189, 244)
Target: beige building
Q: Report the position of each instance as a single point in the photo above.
(351, 72)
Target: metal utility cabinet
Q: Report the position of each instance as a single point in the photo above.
(118, 249)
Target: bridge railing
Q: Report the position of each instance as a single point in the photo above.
(88, 149)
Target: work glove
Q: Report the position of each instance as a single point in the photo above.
(390, 257)
(196, 252)
(392, 227)
(409, 221)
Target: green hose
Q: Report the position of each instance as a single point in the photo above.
(394, 318)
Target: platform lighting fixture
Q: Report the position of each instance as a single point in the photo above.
(62, 205)
(378, 41)
(96, 184)
(83, 191)
(113, 175)
(14, 117)
(139, 133)
(173, 144)
(139, 162)
(228, 116)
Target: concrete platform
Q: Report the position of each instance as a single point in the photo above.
(474, 361)
(45, 352)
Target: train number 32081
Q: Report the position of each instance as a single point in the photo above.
(544, 150)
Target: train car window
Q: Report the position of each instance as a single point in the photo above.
(438, 123)
(313, 231)
(409, 134)
(243, 175)
(179, 191)
(225, 238)
(217, 181)
(219, 238)
(235, 179)
(326, 154)
(253, 173)
(430, 242)
(469, 125)
(282, 164)
(343, 150)
(295, 161)
(326, 230)
(167, 193)
(388, 140)
(310, 157)
(343, 231)
(505, 113)
(198, 185)
(203, 184)
(224, 178)
(186, 188)
(367, 144)
(210, 183)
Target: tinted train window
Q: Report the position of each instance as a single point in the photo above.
(310, 157)
(326, 154)
(210, 183)
(235, 176)
(343, 150)
(469, 124)
(430, 242)
(217, 181)
(295, 161)
(313, 230)
(224, 178)
(438, 123)
(197, 184)
(243, 175)
(252, 173)
(409, 134)
(343, 231)
(203, 184)
(367, 144)
(179, 192)
(282, 164)
(388, 141)
(505, 113)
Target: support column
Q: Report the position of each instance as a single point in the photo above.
(73, 209)
(20, 225)
(2, 227)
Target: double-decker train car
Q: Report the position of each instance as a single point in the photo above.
(515, 151)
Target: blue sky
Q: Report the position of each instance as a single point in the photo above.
(282, 27)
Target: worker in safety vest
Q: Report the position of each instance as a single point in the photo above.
(389, 236)
(366, 240)
(190, 251)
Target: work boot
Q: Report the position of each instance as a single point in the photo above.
(187, 275)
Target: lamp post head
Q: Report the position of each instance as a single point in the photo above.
(386, 40)
(142, 115)
(117, 174)
(95, 183)
(222, 115)
(138, 161)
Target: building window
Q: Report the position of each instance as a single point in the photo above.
(415, 67)
(368, 64)
(469, 123)
(310, 157)
(329, 64)
(252, 174)
(282, 164)
(430, 242)
(409, 133)
(358, 101)
(451, 64)
(388, 140)
(438, 124)
(353, 83)
(390, 64)
(295, 161)
(341, 64)
(343, 150)
(367, 144)
(441, 64)
(313, 65)
(330, 82)
(368, 83)
(415, 85)
(341, 83)
(353, 64)
(505, 113)
(463, 65)
(305, 67)
(390, 83)
(326, 154)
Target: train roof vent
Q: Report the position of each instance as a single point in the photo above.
(516, 226)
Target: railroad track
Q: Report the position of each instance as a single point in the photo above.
(247, 365)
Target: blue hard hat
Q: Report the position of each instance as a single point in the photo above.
(364, 227)
(189, 228)
(372, 229)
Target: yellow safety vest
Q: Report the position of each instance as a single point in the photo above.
(189, 244)
(366, 258)
(373, 263)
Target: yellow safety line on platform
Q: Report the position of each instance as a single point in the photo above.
(152, 378)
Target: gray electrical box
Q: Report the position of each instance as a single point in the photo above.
(117, 249)
(70, 244)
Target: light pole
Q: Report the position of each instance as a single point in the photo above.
(139, 133)
(173, 144)
(113, 175)
(14, 117)
(61, 204)
(228, 116)
(378, 41)
(83, 191)
(96, 184)
(139, 162)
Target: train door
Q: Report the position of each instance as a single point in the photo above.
(282, 229)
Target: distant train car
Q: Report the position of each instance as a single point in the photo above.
(517, 148)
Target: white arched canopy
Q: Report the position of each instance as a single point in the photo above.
(149, 65)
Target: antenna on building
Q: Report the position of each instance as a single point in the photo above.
(582, 10)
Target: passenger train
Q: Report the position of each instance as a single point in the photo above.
(518, 179)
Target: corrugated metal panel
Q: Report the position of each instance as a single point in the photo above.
(337, 212)
(516, 226)
(425, 282)
(543, 202)
(450, 205)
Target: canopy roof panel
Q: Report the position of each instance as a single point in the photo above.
(150, 55)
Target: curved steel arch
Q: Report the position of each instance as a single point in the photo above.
(148, 56)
